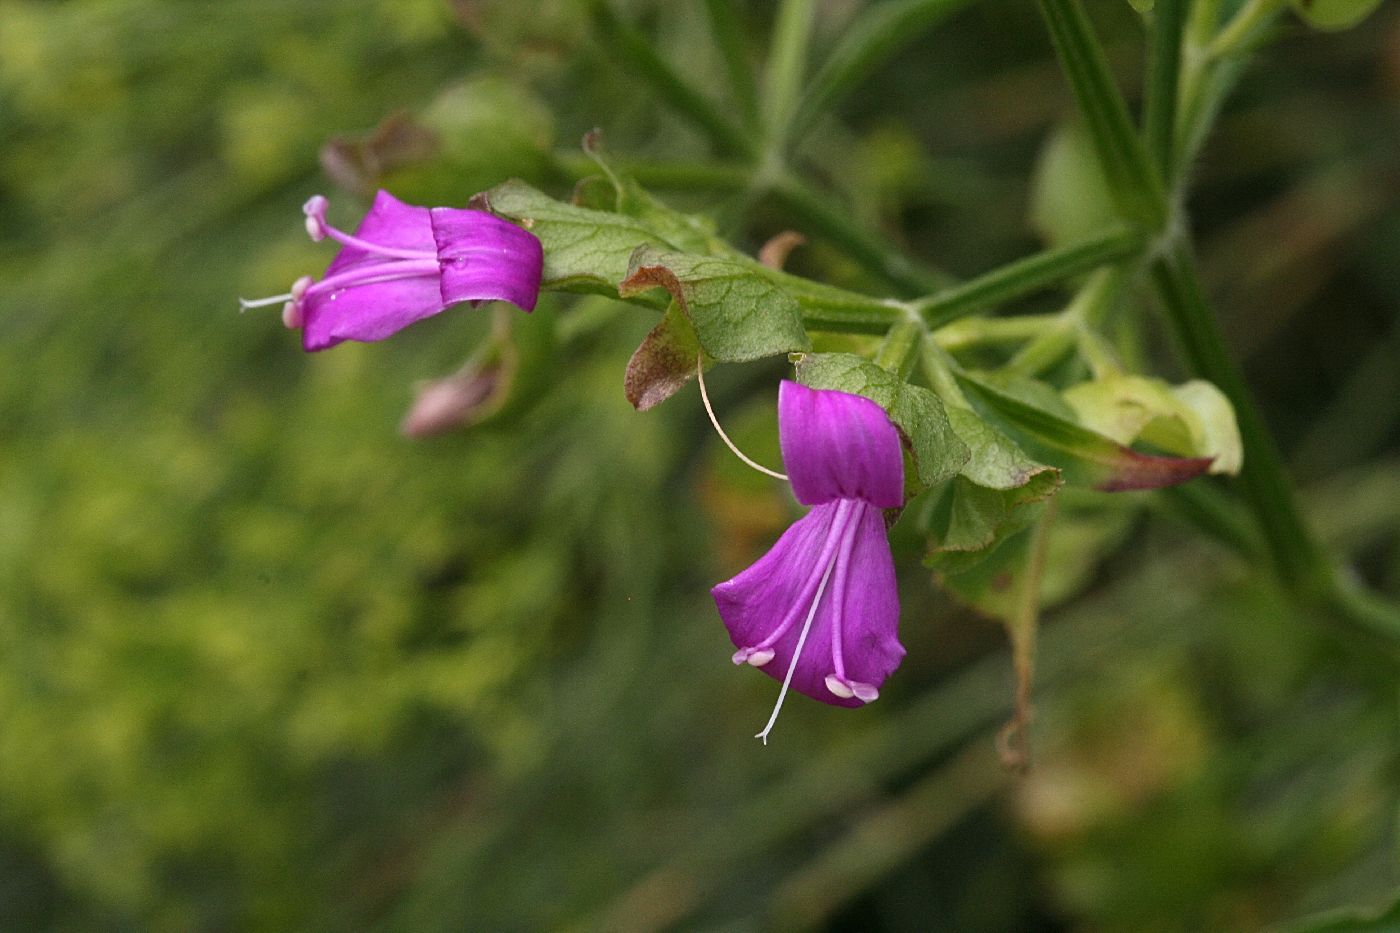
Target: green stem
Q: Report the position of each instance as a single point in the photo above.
(818, 215)
(1296, 556)
(787, 67)
(637, 53)
(976, 331)
(1133, 179)
(729, 36)
(1027, 275)
(900, 349)
(1164, 82)
(1243, 26)
(937, 368)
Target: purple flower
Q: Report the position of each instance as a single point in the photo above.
(406, 263)
(820, 610)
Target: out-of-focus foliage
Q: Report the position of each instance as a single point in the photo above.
(266, 665)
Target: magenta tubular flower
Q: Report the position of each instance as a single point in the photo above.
(406, 263)
(820, 610)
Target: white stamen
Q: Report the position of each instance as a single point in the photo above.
(244, 304)
(866, 693)
(315, 211)
(705, 397)
(300, 286)
(293, 315)
(760, 657)
(797, 653)
(839, 687)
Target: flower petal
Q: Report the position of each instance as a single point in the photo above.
(859, 601)
(368, 312)
(485, 258)
(839, 446)
(379, 309)
(391, 223)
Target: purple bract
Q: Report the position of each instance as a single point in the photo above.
(820, 611)
(406, 263)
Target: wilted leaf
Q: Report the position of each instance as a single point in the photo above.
(664, 362)
(937, 451)
(739, 314)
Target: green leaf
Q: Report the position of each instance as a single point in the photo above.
(664, 362)
(739, 314)
(989, 499)
(1086, 531)
(1024, 407)
(1334, 14)
(584, 250)
(937, 451)
(1191, 420)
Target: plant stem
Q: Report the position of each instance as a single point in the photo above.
(1026, 276)
(729, 36)
(975, 331)
(1296, 556)
(1164, 82)
(1243, 26)
(787, 68)
(637, 53)
(900, 349)
(1132, 177)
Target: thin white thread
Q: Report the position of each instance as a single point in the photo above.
(705, 397)
(797, 653)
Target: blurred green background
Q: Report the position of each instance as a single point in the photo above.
(265, 664)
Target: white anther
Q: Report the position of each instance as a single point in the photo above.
(866, 693)
(838, 687)
(315, 211)
(300, 286)
(293, 315)
(760, 657)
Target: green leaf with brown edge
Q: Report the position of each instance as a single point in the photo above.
(664, 362)
(738, 312)
(585, 250)
(1085, 456)
(937, 451)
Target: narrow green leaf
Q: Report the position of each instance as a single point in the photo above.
(937, 451)
(739, 314)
